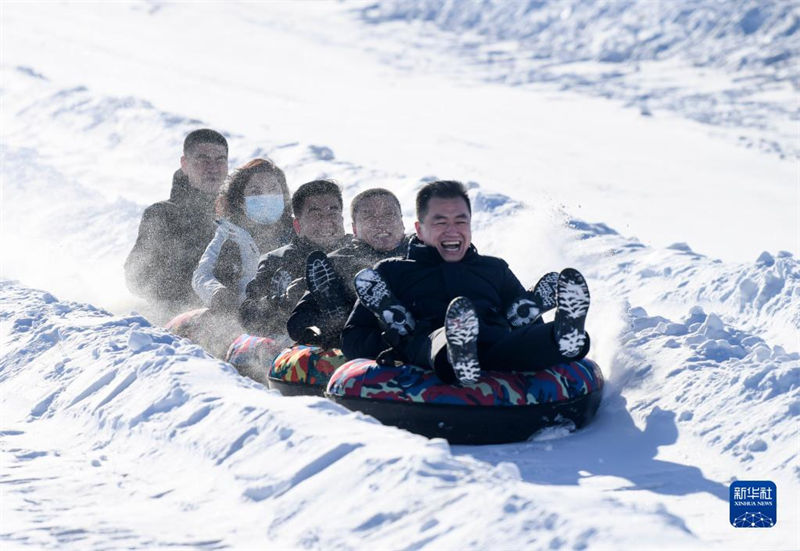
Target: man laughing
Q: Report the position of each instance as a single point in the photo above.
(447, 307)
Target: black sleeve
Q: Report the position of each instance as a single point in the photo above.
(258, 313)
(511, 288)
(361, 336)
(151, 267)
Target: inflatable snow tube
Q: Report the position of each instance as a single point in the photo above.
(252, 356)
(304, 370)
(187, 324)
(500, 407)
(214, 331)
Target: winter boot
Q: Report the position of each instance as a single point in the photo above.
(326, 286)
(461, 331)
(535, 301)
(572, 296)
(374, 293)
(279, 283)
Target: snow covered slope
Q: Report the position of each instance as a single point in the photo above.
(117, 435)
(733, 64)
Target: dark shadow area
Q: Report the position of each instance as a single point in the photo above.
(611, 446)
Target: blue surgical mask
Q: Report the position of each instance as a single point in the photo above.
(263, 209)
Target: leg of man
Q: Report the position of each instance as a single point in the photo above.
(528, 348)
(430, 351)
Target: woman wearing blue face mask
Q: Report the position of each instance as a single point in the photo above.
(254, 216)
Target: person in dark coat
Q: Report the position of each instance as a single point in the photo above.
(441, 268)
(378, 234)
(280, 279)
(173, 234)
(254, 215)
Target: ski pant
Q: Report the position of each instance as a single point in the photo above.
(529, 348)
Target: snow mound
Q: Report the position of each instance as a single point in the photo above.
(714, 377)
(710, 342)
(760, 297)
(739, 56)
(128, 403)
(733, 35)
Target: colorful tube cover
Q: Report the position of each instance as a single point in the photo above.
(306, 365)
(408, 383)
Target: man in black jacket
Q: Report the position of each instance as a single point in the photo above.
(378, 233)
(447, 307)
(173, 234)
(280, 280)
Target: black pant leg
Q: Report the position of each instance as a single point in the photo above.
(531, 347)
(431, 351)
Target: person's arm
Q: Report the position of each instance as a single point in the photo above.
(510, 287)
(203, 281)
(148, 268)
(256, 311)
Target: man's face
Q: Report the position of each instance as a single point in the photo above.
(446, 227)
(379, 223)
(321, 221)
(206, 166)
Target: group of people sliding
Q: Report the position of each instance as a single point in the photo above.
(428, 298)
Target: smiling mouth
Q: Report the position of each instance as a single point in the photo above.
(452, 246)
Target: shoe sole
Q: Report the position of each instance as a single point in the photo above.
(545, 291)
(461, 331)
(573, 305)
(279, 282)
(375, 295)
(320, 280)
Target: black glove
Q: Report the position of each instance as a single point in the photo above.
(392, 337)
(388, 357)
(394, 353)
(224, 301)
(312, 336)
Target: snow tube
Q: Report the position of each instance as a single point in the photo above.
(187, 324)
(252, 355)
(304, 370)
(501, 407)
(214, 331)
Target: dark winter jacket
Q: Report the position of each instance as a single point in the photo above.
(347, 261)
(172, 236)
(265, 312)
(426, 284)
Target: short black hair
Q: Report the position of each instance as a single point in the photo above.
(203, 135)
(312, 189)
(372, 192)
(444, 189)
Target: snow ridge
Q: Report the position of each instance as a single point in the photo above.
(741, 56)
(732, 35)
(127, 402)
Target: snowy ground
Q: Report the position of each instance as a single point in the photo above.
(116, 435)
